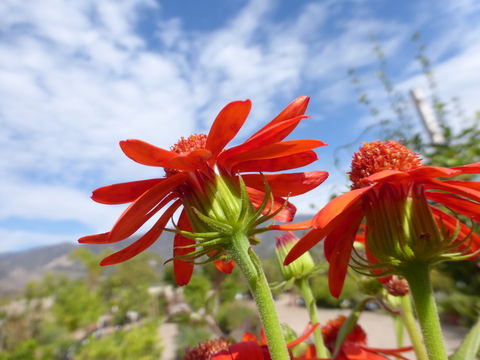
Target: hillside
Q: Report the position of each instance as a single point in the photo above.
(18, 268)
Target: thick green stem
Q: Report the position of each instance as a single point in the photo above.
(250, 266)
(418, 277)
(302, 283)
(412, 328)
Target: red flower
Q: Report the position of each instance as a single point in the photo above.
(355, 346)
(252, 348)
(385, 175)
(190, 166)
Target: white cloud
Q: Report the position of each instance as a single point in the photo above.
(77, 77)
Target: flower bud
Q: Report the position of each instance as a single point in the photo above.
(297, 269)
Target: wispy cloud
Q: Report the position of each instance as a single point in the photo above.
(77, 77)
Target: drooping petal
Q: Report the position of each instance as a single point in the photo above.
(307, 224)
(459, 205)
(433, 171)
(144, 207)
(305, 335)
(145, 241)
(338, 206)
(227, 124)
(296, 108)
(145, 153)
(475, 185)
(182, 269)
(338, 247)
(285, 215)
(277, 164)
(304, 244)
(452, 224)
(469, 169)
(326, 220)
(454, 189)
(269, 136)
(354, 351)
(391, 352)
(103, 238)
(291, 184)
(124, 192)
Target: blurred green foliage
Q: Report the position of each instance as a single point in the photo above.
(348, 298)
(138, 343)
(58, 315)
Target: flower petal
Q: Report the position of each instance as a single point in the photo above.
(248, 350)
(145, 241)
(465, 207)
(475, 185)
(269, 136)
(276, 150)
(433, 171)
(103, 238)
(144, 207)
(296, 108)
(385, 176)
(227, 124)
(307, 224)
(124, 192)
(304, 244)
(285, 215)
(454, 189)
(145, 153)
(194, 160)
(338, 247)
(451, 224)
(182, 269)
(338, 205)
(291, 184)
(469, 169)
(278, 164)
(225, 266)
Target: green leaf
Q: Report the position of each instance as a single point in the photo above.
(470, 346)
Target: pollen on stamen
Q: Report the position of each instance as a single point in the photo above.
(193, 142)
(185, 145)
(377, 156)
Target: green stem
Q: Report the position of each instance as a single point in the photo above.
(302, 283)
(412, 328)
(248, 262)
(418, 277)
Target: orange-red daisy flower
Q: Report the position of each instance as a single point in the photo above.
(385, 175)
(252, 348)
(190, 166)
(354, 347)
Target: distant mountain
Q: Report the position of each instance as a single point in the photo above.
(18, 268)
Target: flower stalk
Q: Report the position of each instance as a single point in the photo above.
(418, 277)
(410, 324)
(240, 251)
(304, 286)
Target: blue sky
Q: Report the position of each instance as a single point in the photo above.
(78, 76)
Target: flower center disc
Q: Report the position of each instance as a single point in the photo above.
(186, 145)
(377, 156)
